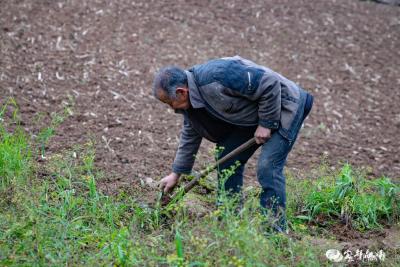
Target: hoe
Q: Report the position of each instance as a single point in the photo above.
(167, 199)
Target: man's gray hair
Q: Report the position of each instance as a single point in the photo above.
(168, 79)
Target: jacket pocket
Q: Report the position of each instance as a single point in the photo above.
(289, 105)
(288, 112)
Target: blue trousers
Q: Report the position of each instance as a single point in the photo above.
(269, 168)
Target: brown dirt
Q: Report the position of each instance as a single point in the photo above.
(102, 54)
(344, 239)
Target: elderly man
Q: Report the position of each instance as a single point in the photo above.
(228, 101)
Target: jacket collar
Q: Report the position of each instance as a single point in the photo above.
(195, 98)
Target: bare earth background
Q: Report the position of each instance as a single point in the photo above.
(103, 54)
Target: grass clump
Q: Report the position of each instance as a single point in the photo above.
(15, 153)
(357, 202)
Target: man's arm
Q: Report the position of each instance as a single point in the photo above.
(268, 97)
(269, 102)
(269, 108)
(189, 144)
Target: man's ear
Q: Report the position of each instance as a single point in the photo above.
(181, 91)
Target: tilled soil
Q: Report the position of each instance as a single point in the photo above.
(102, 55)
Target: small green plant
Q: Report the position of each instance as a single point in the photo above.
(354, 200)
(179, 247)
(47, 132)
(15, 151)
(119, 248)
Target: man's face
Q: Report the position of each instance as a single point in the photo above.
(181, 101)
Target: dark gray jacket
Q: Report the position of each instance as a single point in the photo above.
(242, 93)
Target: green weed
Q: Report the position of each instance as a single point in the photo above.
(47, 132)
(15, 152)
(354, 200)
(61, 217)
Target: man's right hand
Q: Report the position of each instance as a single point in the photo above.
(168, 182)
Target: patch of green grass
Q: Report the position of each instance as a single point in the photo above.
(15, 152)
(61, 218)
(351, 199)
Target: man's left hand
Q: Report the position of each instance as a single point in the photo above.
(262, 135)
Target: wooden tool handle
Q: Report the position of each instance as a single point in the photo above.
(206, 171)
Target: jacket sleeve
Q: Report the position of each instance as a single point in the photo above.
(189, 144)
(269, 102)
(268, 98)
